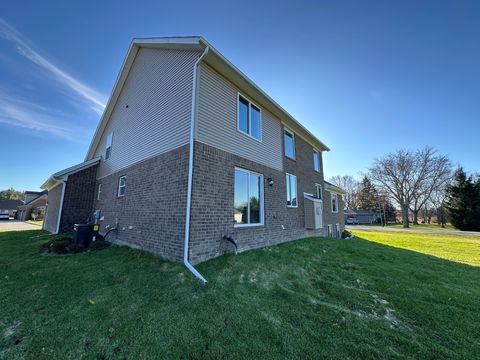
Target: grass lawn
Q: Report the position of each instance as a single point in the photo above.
(463, 249)
(307, 299)
(424, 227)
(35, 222)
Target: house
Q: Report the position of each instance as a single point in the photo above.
(8, 206)
(35, 204)
(361, 217)
(189, 152)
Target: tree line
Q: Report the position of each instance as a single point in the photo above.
(414, 182)
(11, 194)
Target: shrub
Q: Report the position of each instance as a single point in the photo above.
(59, 246)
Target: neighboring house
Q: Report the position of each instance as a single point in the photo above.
(254, 173)
(361, 217)
(33, 205)
(8, 206)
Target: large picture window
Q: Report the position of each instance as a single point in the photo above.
(248, 198)
(291, 182)
(249, 118)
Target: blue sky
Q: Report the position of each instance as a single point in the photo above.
(365, 77)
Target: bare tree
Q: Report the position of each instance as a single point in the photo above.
(405, 175)
(438, 172)
(350, 185)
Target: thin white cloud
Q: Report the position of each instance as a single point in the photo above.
(95, 100)
(23, 114)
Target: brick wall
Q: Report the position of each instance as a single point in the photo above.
(78, 198)
(153, 206)
(331, 218)
(212, 203)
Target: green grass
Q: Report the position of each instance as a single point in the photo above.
(314, 298)
(424, 226)
(459, 248)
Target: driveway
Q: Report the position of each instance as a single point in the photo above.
(431, 231)
(13, 225)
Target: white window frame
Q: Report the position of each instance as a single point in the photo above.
(296, 189)
(337, 231)
(122, 187)
(99, 191)
(250, 103)
(317, 163)
(262, 199)
(332, 195)
(108, 145)
(330, 230)
(318, 186)
(285, 129)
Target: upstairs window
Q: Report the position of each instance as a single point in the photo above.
(289, 143)
(248, 198)
(249, 118)
(291, 182)
(122, 183)
(334, 200)
(318, 191)
(316, 161)
(99, 191)
(108, 146)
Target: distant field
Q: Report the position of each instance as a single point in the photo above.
(464, 249)
(424, 226)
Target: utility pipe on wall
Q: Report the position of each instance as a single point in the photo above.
(190, 172)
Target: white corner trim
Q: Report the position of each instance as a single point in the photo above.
(60, 208)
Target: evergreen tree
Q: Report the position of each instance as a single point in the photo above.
(463, 202)
(368, 196)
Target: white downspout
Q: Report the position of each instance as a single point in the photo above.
(190, 172)
(64, 185)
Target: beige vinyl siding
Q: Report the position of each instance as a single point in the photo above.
(158, 92)
(217, 122)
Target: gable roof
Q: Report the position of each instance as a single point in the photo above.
(333, 188)
(39, 195)
(61, 175)
(9, 204)
(216, 60)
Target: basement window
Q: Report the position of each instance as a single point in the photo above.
(122, 183)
